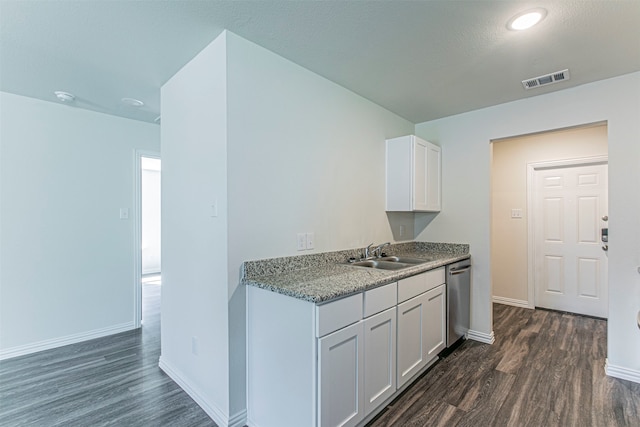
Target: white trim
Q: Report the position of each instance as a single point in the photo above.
(62, 341)
(513, 302)
(239, 419)
(481, 336)
(531, 170)
(137, 227)
(216, 414)
(622, 373)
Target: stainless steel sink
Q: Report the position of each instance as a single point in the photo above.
(403, 260)
(381, 265)
(389, 263)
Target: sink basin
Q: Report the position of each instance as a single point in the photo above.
(381, 265)
(403, 260)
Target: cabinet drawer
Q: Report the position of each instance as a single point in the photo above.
(338, 314)
(435, 277)
(415, 285)
(379, 299)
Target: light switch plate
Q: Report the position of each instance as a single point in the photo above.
(310, 240)
(195, 346)
(124, 213)
(516, 213)
(302, 241)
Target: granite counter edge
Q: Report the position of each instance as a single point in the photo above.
(384, 277)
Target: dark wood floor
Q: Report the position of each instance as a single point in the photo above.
(545, 369)
(111, 381)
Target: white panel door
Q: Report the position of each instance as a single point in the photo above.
(341, 377)
(570, 271)
(379, 358)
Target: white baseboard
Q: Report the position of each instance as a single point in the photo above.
(622, 373)
(22, 350)
(216, 414)
(239, 419)
(513, 302)
(481, 337)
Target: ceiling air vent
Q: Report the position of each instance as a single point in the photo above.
(547, 79)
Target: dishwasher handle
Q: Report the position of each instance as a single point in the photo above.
(453, 272)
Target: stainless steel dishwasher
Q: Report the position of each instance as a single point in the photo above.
(458, 300)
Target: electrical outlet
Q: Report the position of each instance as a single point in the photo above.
(402, 231)
(302, 241)
(310, 240)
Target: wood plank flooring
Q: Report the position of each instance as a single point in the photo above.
(110, 381)
(545, 369)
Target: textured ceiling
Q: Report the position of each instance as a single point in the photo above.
(420, 59)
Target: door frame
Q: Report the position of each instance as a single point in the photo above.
(137, 226)
(531, 170)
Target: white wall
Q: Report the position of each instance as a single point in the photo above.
(302, 155)
(194, 243)
(509, 236)
(466, 192)
(305, 155)
(66, 259)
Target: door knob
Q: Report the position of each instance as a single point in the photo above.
(605, 248)
(605, 218)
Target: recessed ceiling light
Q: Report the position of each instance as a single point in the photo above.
(132, 102)
(64, 96)
(526, 19)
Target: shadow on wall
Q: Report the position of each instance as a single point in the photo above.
(408, 225)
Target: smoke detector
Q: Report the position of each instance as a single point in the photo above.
(64, 96)
(132, 102)
(547, 79)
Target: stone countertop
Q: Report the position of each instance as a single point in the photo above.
(321, 282)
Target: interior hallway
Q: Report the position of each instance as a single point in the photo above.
(113, 380)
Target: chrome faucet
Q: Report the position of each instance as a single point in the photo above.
(378, 250)
(375, 252)
(367, 250)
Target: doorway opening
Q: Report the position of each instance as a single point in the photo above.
(148, 237)
(513, 262)
(150, 216)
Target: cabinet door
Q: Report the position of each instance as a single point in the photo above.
(379, 359)
(340, 377)
(433, 178)
(427, 165)
(411, 338)
(435, 318)
(420, 176)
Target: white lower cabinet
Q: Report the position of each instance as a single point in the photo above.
(421, 332)
(336, 364)
(340, 377)
(411, 336)
(435, 316)
(379, 358)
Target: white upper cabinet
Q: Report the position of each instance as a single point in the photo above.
(413, 173)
